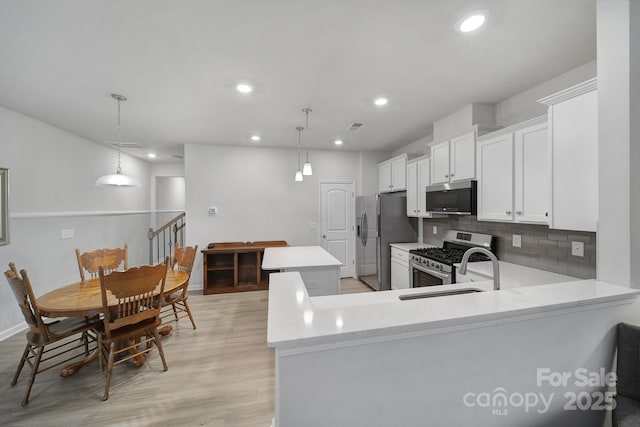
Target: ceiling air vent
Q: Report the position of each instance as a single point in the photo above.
(127, 145)
(356, 125)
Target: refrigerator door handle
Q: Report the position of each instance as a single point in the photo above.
(365, 229)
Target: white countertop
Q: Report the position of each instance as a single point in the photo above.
(410, 246)
(514, 275)
(297, 257)
(295, 319)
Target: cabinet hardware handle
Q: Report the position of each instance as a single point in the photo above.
(518, 212)
(508, 212)
(546, 214)
(324, 236)
(453, 174)
(446, 176)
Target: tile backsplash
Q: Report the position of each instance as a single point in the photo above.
(541, 248)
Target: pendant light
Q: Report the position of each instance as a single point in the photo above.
(299, 176)
(117, 179)
(306, 169)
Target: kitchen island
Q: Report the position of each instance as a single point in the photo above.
(372, 359)
(319, 269)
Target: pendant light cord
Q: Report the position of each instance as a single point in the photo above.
(119, 133)
(307, 111)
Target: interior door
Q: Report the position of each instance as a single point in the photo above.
(337, 217)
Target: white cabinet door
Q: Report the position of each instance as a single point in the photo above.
(462, 157)
(495, 178)
(423, 183)
(440, 163)
(531, 175)
(399, 173)
(573, 121)
(399, 274)
(412, 189)
(384, 177)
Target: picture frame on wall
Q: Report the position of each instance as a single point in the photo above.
(4, 206)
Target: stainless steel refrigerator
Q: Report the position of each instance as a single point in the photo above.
(381, 220)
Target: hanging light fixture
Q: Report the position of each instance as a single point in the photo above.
(117, 179)
(306, 169)
(299, 176)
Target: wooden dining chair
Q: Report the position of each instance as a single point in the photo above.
(182, 261)
(42, 335)
(110, 259)
(131, 309)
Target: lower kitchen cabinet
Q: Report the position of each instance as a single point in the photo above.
(399, 269)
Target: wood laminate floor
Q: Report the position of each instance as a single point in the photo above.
(220, 375)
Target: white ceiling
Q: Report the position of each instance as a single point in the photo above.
(178, 63)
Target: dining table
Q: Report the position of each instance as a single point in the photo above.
(84, 299)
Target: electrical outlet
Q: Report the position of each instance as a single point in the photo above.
(435, 229)
(213, 211)
(577, 249)
(68, 233)
(517, 241)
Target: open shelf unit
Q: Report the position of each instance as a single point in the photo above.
(235, 266)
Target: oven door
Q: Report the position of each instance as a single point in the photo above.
(420, 276)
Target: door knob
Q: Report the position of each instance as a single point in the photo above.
(518, 212)
(508, 212)
(324, 236)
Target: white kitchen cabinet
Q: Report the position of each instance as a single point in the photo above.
(440, 163)
(399, 269)
(573, 149)
(417, 181)
(513, 174)
(454, 160)
(392, 174)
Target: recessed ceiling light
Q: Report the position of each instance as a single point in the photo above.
(338, 142)
(152, 155)
(244, 88)
(255, 138)
(381, 101)
(472, 21)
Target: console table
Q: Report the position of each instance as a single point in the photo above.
(235, 266)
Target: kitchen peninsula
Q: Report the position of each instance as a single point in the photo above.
(319, 269)
(372, 359)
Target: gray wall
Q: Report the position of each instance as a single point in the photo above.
(542, 248)
(51, 188)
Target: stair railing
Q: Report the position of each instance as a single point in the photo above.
(162, 241)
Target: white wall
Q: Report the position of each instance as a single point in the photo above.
(256, 196)
(418, 147)
(367, 184)
(52, 174)
(524, 106)
(634, 138)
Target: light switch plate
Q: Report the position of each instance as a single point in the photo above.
(69, 233)
(213, 211)
(517, 241)
(577, 248)
(435, 229)
(313, 225)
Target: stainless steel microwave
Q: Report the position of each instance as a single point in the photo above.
(457, 198)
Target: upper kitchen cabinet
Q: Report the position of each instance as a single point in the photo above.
(392, 174)
(573, 148)
(513, 174)
(417, 181)
(455, 159)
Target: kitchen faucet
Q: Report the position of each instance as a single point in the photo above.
(494, 263)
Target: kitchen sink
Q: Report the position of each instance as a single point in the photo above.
(440, 293)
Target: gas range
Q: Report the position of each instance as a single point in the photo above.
(434, 266)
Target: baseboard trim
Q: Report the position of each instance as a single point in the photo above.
(12, 331)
